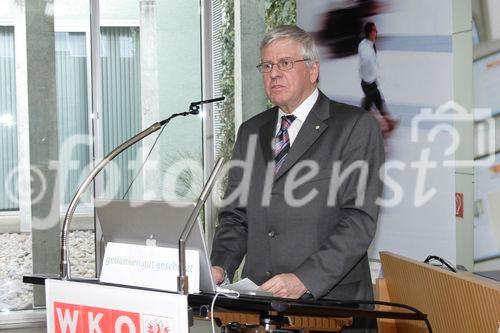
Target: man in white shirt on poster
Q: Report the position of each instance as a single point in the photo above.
(368, 67)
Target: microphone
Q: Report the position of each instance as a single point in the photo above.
(218, 99)
(194, 107)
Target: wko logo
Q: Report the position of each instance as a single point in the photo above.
(72, 318)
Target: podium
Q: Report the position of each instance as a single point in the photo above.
(76, 306)
(454, 302)
(90, 307)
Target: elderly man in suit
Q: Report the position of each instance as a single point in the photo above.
(309, 214)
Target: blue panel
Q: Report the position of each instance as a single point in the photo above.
(72, 107)
(8, 128)
(121, 104)
(442, 44)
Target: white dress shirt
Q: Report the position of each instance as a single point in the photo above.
(301, 113)
(368, 64)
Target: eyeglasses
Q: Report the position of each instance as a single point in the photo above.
(284, 64)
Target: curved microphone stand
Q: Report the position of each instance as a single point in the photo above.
(182, 279)
(65, 266)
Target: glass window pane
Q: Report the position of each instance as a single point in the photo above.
(73, 111)
(8, 128)
(121, 102)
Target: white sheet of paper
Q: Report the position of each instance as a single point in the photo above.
(246, 285)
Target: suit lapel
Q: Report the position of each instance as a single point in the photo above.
(266, 135)
(310, 131)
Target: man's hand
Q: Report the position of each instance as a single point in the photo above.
(285, 285)
(218, 274)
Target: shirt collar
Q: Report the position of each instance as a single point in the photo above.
(302, 111)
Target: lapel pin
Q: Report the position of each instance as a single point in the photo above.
(317, 127)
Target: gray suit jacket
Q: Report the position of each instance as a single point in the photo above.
(323, 243)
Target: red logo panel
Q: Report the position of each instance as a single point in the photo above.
(125, 322)
(96, 320)
(67, 318)
(73, 318)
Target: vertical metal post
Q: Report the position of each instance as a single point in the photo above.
(208, 119)
(96, 79)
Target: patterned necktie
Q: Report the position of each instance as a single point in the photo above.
(282, 143)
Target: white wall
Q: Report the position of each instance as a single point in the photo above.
(493, 9)
(415, 55)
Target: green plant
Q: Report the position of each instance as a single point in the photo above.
(227, 78)
(280, 12)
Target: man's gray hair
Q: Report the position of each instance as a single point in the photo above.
(309, 49)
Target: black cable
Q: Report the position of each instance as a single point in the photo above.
(143, 163)
(428, 324)
(441, 260)
(352, 303)
(404, 306)
(392, 304)
(192, 111)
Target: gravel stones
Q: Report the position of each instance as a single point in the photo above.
(16, 261)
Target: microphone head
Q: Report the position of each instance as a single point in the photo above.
(194, 108)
